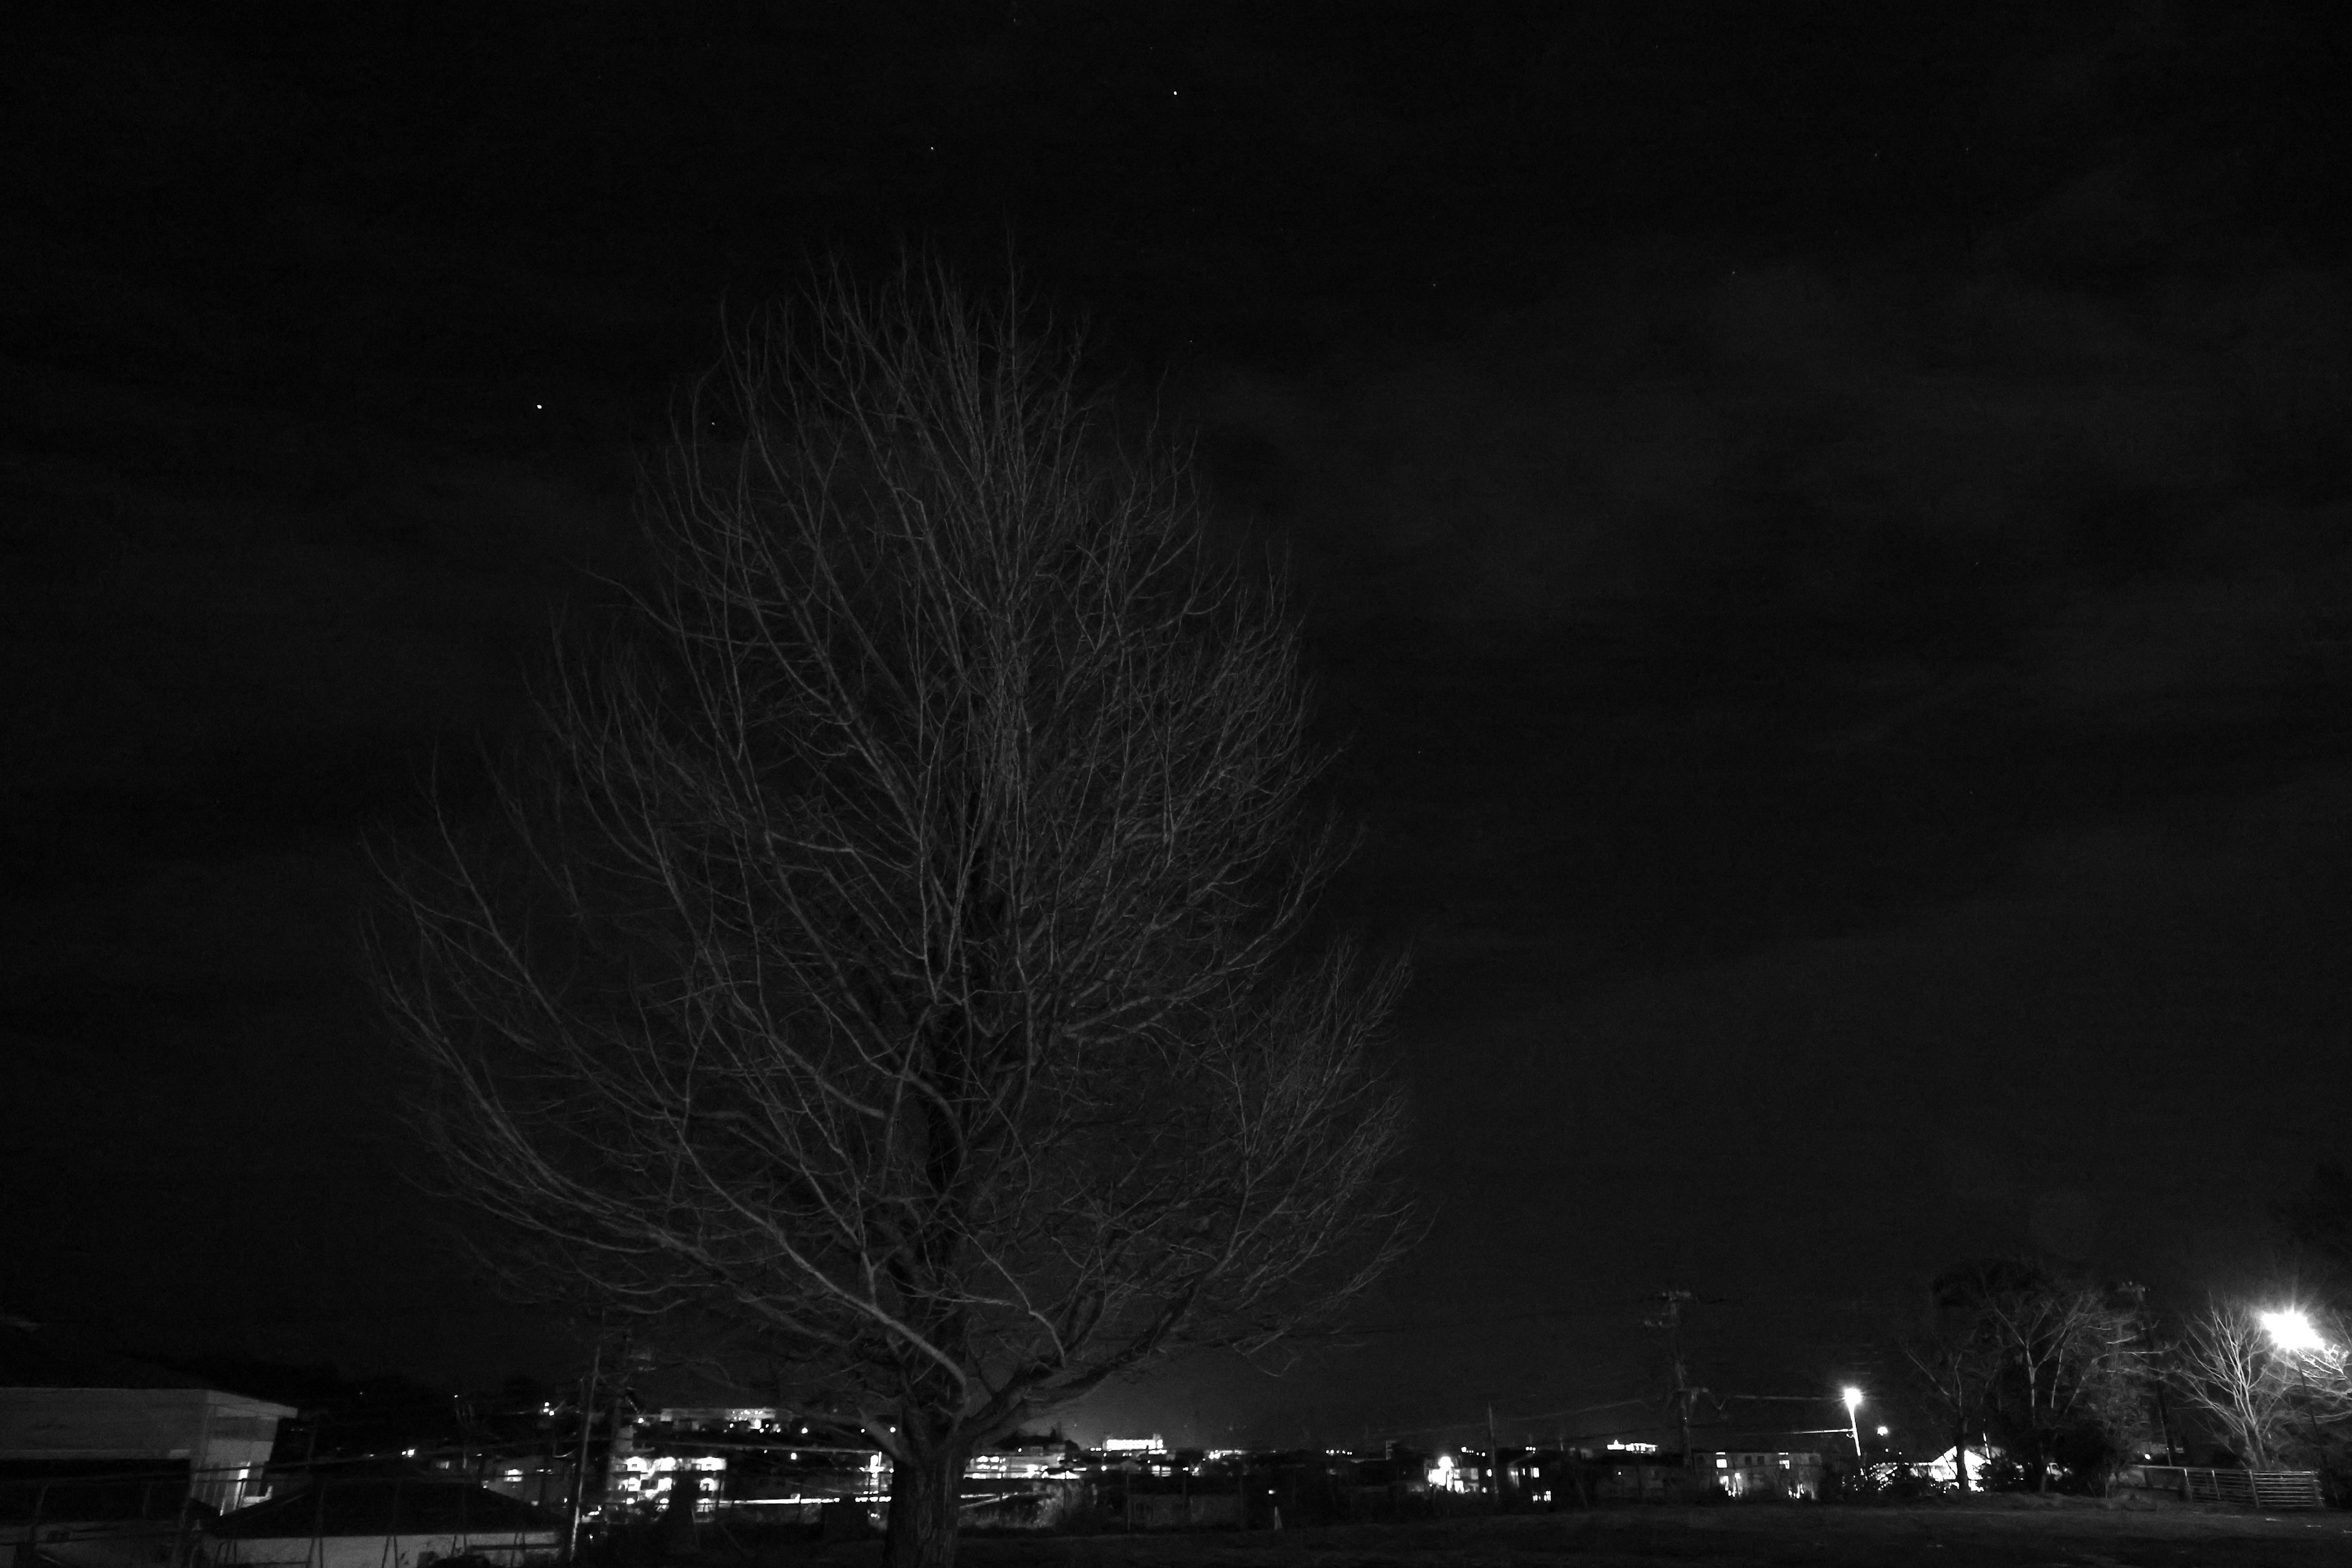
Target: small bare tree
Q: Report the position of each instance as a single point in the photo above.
(1954, 1363)
(897, 958)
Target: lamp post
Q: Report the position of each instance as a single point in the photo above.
(2291, 1330)
(1852, 1396)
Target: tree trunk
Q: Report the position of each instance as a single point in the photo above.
(1960, 1458)
(923, 1493)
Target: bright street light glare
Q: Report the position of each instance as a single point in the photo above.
(2291, 1330)
(1853, 1398)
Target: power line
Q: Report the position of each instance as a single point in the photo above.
(1462, 1323)
(1508, 1418)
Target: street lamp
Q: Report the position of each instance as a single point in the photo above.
(2292, 1332)
(1852, 1397)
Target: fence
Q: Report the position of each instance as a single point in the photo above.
(2247, 1488)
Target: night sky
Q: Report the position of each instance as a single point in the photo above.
(1826, 529)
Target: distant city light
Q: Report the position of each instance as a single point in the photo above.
(2291, 1330)
(1881, 1431)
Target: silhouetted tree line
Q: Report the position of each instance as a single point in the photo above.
(2062, 1377)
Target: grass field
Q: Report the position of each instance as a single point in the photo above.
(2043, 1533)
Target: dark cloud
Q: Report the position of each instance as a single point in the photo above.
(2124, 495)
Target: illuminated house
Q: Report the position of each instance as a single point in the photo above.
(1466, 1473)
(1945, 1466)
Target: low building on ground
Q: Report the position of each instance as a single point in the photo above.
(1946, 1466)
(386, 1522)
(108, 1461)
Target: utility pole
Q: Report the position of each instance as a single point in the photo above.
(579, 1472)
(1669, 1317)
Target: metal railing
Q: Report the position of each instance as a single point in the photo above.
(2246, 1489)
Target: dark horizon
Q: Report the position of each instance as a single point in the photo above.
(1825, 538)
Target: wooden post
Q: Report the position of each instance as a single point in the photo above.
(33, 1531)
(389, 1558)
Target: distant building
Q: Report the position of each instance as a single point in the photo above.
(771, 1464)
(1183, 1511)
(1020, 1459)
(1945, 1466)
(220, 1442)
(1621, 1476)
(107, 1461)
(1760, 1472)
(386, 1522)
(755, 1457)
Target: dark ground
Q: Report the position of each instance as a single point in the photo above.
(2005, 1532)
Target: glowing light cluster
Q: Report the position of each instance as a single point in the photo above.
(2291, 1329)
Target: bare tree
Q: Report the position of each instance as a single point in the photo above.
(1955, 1362)
(2225, 1370)
(897, 960)
(2060, 1365)
(2266, 1400)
